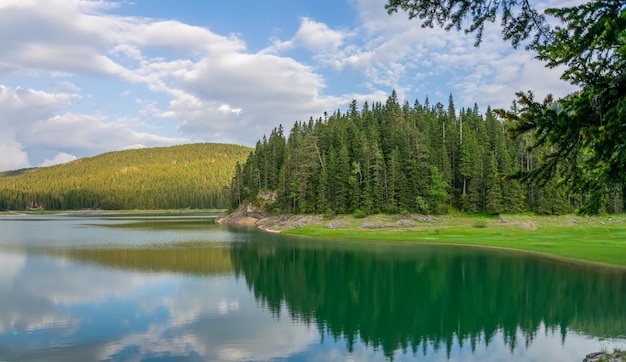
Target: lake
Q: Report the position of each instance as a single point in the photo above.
(152, 288)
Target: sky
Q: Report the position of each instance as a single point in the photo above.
(83, 77)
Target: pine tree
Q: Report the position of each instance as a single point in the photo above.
(437, 191)
(493, 192)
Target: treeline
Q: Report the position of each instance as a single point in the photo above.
(186, 176)
(395, 158)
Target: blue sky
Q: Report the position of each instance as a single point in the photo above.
(78, 78)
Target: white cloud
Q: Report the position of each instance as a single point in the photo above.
(210, 87)
(183, 37)
(57, 36)
(217, 88)
(134, 147)
(226, 108)
(21, 108)
(90, 132)
(313, 36)
(263, 90)
(398, 52)
(318, 37)
(13, 155)
(60, 158)
(23, 105)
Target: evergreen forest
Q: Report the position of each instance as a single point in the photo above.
(395, 157)
(186, 176)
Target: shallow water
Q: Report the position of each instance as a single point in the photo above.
(183, 288)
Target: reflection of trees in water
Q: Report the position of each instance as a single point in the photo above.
(414, 298)
(188, 259)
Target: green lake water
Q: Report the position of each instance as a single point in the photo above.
(180, 288)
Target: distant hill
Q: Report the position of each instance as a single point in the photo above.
(186, 176)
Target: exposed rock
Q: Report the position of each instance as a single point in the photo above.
(246, 214)
(373, 225)
(279, 223)
(403, 223)
(267, 196)
(593, 357)
(423, 218)
(337, 224)
(616, 356)
(381, 225)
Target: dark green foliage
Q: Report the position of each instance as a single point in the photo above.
(187, 176)
(359, 214)
(584, 132)
(519, 20)
(581, 137)
(392, 159)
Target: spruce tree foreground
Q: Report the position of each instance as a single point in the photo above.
(582, 136)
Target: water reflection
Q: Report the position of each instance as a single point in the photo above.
(414, 298)
(212, 293)
(186, 258)
(56, 309)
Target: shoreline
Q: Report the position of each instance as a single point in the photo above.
(554, 257)
(112, 212)
(569, 239)
(601, 240)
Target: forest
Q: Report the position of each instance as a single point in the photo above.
(186, 176)
(400, 158)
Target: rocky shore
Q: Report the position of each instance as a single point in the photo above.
(616, 356)
(246, 215)
(250, 215)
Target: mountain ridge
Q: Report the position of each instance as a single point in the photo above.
(183, 176)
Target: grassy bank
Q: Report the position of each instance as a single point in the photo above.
(600, 239)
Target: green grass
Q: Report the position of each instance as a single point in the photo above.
(600, 239)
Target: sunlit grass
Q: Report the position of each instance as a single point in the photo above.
(600, 239)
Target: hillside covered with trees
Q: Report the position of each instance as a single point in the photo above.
(186, 176)
(396, 158)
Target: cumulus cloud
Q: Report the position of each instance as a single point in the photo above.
(58, 159)
(318, 36)
(399, 53)
(29, 124)
(57, 36)
(91, 132)
(215, 85)
(264, 90)
(13, 155)
(314, 36)
(21, 108)
(183, 37)
(208, 86)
